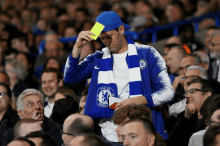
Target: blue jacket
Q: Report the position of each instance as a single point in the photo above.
(156, 86)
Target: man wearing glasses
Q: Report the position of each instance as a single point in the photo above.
(190, 120)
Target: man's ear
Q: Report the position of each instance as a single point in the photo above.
(60, 83)
(20, 114)
(121, 29)
(208, 94)
(151, 140)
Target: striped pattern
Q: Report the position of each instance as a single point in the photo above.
(106, 76)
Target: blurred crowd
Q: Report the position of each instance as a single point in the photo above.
(36, 106)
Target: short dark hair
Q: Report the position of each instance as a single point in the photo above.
(63, 108)
(205, 84)
(213, 27)
(23, 139)
(47, 140)
(9, 92)
(91, 139)
(55, 58)
(209, 138)
(53, 70)
(148, 125)
(79, 127)
(16, 129)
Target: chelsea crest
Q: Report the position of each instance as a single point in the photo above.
(103, 95)
(143, 63)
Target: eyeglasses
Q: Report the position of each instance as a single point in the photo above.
(213, 44)
(213, 122)
(192, 91)
(3, 95)
(61, 131)
(190, 77)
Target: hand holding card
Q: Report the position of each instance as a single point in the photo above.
(97, 29)
(113, 101)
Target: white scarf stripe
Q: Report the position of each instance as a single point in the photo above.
(106, 77)
(132, 50)
(133, 74)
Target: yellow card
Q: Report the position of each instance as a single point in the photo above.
(97, 29)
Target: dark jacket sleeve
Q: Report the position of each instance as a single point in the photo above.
(8, 136)
(182, 131)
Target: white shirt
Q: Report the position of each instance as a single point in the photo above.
(197, 138)
(177, 108)
(121, 75)
(48, 109)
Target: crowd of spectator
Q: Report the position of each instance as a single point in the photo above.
(38, 108)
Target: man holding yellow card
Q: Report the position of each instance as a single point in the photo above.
(122, 73)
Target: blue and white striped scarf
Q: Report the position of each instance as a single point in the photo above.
(107, 87)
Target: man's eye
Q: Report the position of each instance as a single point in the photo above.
(30, 104)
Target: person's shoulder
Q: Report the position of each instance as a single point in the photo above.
(143, 47)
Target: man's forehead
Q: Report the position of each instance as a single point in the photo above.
(216, 38)
(32, 98)
(193, 72)
(48, 75)
(194, 85)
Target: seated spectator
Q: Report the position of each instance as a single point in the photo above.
(212, 135)
(10, 54)
(76, 124)
(130, 112)
(190, 120)
(88, 140)
(16, 72)
(66, 93)
(210, 112)
(8, 116)
(175, 11)
(21, 141)
(63, 108)
(41, 139)
(139, 132)
(51, 81)
(30, 105)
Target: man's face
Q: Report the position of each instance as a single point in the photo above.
(113, 40)
(195, 96)
(215, 47)
(52, 45)
(185, 63)
(208, 37)
(4, 100)
(29, 127)
(133, 134)
(33, 108)
(49, 83)
(173, 60)
(191, 74)
(16, 43)
(37, 141)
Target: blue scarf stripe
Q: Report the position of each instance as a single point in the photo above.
(135, 88)
(106, 65)
(133, 61)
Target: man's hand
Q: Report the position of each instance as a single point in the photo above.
(190, 110)
(83, 38)
(178, 80)
(136, 100)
